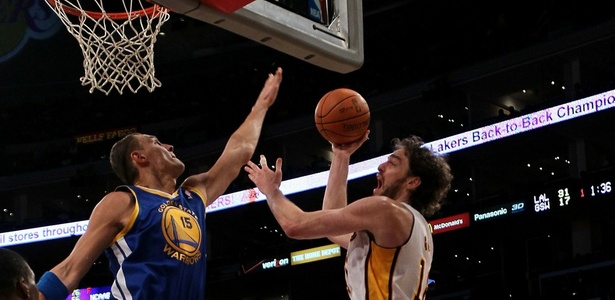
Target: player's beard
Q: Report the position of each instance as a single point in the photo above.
(392, 190)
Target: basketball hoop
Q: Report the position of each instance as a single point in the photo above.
(118, 47)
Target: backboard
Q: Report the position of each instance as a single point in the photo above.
(325, 33)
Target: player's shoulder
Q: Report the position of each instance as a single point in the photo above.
(117, 198)
(388, 206)
(113, 211)
(378, 203)
(378, 199)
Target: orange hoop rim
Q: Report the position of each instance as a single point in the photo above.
(150, 11)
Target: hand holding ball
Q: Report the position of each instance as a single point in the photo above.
(342, 116)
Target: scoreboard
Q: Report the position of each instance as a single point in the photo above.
(569, 194)
(574, 192)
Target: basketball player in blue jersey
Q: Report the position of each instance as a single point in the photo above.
(153, 232)
(388, 241)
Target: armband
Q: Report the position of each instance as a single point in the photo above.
(51, 286)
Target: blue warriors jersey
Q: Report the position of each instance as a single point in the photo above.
(161, 254)
(374, 272)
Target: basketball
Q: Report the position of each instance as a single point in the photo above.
(342, 116)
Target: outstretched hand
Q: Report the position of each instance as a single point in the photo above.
(266, 180)
(270, 90)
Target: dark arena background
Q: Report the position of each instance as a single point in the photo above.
(519, 94)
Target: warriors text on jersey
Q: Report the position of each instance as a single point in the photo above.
(378, 273)
(161, 252)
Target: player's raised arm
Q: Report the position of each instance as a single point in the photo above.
(240, 146)
(336, 193)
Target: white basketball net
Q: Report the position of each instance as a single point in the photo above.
(119, 53)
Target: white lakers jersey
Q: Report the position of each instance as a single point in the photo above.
(377, 273)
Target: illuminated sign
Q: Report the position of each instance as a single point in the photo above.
(104, 135)
(44, 233)
(265, 264)
(539, 119)
(314, 254)
(450, 223)
(275, 263)
(296, 258)
(499, 211)
(91, 293)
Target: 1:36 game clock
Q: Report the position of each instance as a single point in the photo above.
(600, 188)
(597, 188)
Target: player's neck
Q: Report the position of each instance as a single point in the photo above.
(166, 187)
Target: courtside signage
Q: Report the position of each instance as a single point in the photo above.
(314, 254)
(499, 211)
(91, 293)
(450, 223)
(44, 233)
(296, 258)
(265, 264)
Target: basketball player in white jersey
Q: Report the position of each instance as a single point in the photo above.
(388, 241)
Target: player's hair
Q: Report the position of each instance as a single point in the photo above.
(14, 267)
(120, 158)
(432, 168)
